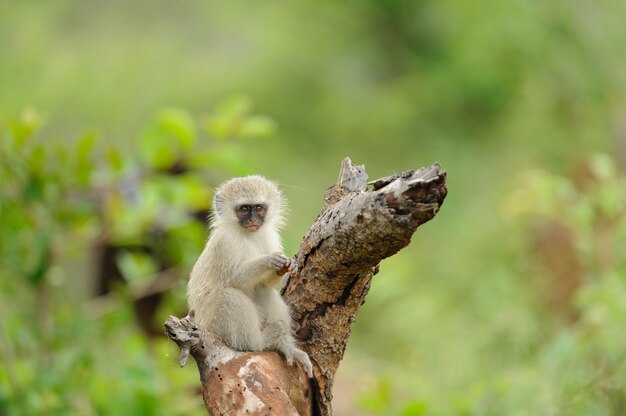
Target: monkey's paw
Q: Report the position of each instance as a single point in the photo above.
(280, 262)
(303, 357)
(293, 267)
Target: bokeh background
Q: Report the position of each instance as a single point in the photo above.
(118, 119)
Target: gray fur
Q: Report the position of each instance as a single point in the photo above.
(231, 284)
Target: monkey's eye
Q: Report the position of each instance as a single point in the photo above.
(259, 208)
(244, 208)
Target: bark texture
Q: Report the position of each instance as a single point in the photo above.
(340, 253)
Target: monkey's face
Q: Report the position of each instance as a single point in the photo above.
(247, 204)
(251, 216)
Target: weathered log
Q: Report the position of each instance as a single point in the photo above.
(340, 253)
(241, 383)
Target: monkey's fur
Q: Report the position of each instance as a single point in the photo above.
(231, 284)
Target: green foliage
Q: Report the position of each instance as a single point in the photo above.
(55, 200)
(379, 400)
(575, 368)
(233, 119)
(40, 197)
(587, 361)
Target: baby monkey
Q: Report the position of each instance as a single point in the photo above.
(231, 287)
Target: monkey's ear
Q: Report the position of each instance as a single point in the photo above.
(217, 204)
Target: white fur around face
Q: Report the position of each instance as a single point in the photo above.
(247, 190)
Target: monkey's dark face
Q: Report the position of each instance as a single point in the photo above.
(251, 216)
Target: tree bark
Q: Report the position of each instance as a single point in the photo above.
(340, 253)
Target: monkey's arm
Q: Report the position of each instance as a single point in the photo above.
(254, 272)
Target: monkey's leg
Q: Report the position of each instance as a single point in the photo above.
(236, 321)
(276, 327)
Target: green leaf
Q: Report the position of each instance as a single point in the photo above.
(414, 409)
(180, 125)
(235, 106)
(232, 120)
(85, 146)
(36, 160)
(230, 158)
(157, 150)
(162, 144)
(84, 165)
(28, 123)
(41, 251)
(33, 190)
(192, 193)
(115, 159)
(258, 127)
(220, 127)
(136, 266)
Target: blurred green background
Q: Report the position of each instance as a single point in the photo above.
(118, 119)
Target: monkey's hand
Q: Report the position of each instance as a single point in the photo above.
(281, 263)
(293, 267)
(292, 354)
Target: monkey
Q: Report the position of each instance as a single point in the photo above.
(231, 286)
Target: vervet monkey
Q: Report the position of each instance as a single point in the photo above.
(231, 285)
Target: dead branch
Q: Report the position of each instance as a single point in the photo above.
(341, 251)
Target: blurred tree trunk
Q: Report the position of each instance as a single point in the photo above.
(341, 251)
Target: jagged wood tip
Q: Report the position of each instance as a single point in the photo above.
(352, 178)
(424, 175)
(185, 333)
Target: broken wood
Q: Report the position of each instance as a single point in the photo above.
(341, 251)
